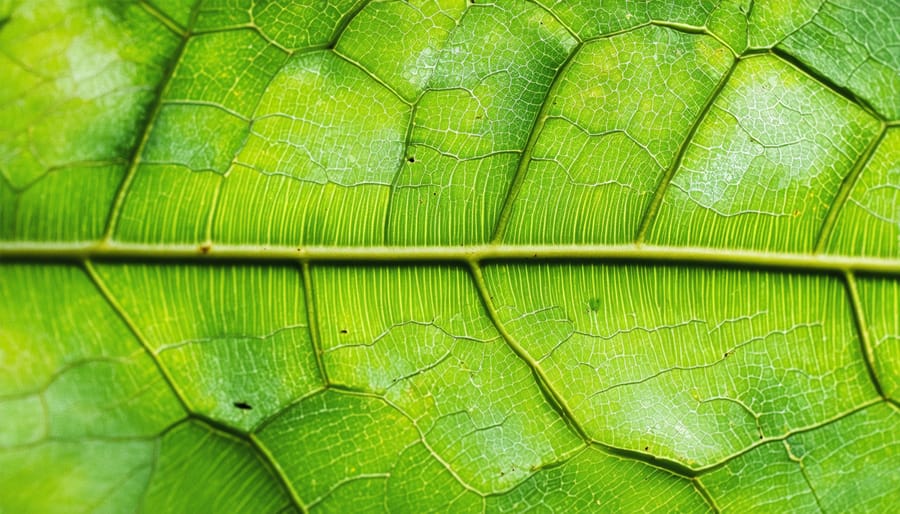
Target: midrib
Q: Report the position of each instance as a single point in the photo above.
(623, 253)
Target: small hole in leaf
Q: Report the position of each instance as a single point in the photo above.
(243, 405)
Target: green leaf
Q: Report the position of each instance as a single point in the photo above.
(449, 255)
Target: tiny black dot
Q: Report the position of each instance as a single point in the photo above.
(411, 159)
(243, 405)
(646, 448)
(343, 330)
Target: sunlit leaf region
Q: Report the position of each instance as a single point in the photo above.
(449, 256)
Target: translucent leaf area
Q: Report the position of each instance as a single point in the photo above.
(449, 256)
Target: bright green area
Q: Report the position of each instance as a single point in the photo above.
(300, 147)
(198, 469)
(244, 339)
(594, 481)
(869, 223)
(70, 375)
(471, 128)
(880, 300)
(335, 444)
(293, 26)
(766, 163)
(398, 331)
(610, 134)
(679, 363)
(249, 384)
(807, 472)
(589, 19)
(401, 43)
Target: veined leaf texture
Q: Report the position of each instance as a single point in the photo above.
(449, 255)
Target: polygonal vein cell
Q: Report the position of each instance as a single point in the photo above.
(471, 126)
(401, 42)
(687, 364)
(323, 149)
(869, 221)
(335, 444)
(235, 339)
(613, 126)
(290, 25)
(419, 338)
(854, 44)
(203, 121)
(850, 464)
(765, 164)
(589, 481)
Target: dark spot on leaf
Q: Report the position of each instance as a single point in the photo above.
(243, 405)
(411, 159)
(726, 354)
(343, 330)
(205, 248)
(646, 448)
(594, 304)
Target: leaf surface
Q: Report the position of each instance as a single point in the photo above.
(442, 255)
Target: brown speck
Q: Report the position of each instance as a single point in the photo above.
(205, 248)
